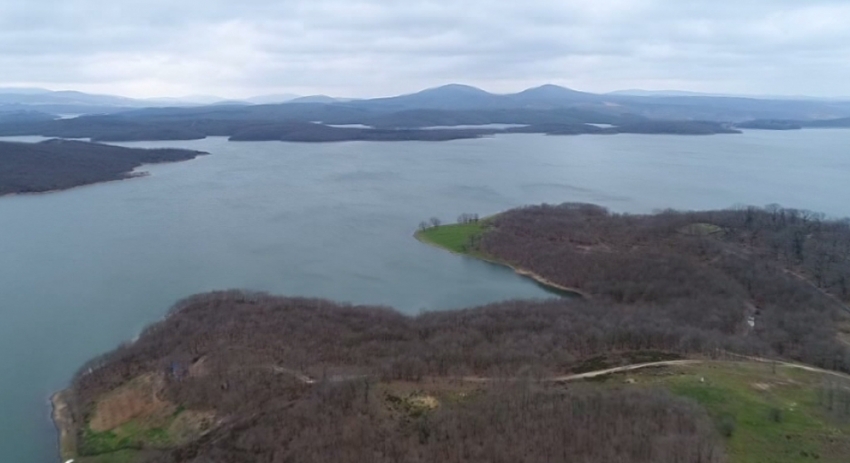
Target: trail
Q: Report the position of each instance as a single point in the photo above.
(589, 374)
(798, 366)
(608, 371)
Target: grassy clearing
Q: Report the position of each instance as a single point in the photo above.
(764, 416)
(133, 435)
(456, 237)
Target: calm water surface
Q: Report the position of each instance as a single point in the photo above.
(84, 269)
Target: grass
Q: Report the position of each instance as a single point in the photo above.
(765, 417)
(456, 237)
(133, 435)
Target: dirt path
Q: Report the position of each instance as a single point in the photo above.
(587, 375)
(798, 366)
(667, 363)
(608, 371)
(591, 374)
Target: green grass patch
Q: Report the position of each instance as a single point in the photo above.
(97, 443)
(764, 417)
(457, 238)
(129, 436)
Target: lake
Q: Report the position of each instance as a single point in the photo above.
(85, 269)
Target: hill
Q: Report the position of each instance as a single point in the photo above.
(752, 272)
(685, 334)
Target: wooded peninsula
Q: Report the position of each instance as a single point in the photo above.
(62, 164)
(735, 322)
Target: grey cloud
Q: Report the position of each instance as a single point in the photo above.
(378, 47)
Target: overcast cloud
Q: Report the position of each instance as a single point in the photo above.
(382, 47)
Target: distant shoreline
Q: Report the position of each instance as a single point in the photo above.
(58, 165)
(131, 176)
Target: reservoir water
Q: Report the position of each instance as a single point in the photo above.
(85, 269)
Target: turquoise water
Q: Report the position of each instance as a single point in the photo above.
(85, 269)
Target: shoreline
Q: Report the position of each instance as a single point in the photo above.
(546, 283)
(64, 424)
(130, 176)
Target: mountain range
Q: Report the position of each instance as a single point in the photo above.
(653, 104)
(546, 109)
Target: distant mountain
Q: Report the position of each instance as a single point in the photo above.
(654, 93)
(315, 99)
(73, 102)
(465, 97)
(65, 98)
(453, 96)
(191, 100)
(449, 105)
(23, 90)
(272, 99)
(553, 96)
(684, 93)
(231, 103)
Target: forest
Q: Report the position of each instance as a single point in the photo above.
(310, 132)
(298, 123)
(62, 164)
(781, 276)
(244, 376)
(248, 357)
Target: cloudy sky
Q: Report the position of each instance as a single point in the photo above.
(363, 48)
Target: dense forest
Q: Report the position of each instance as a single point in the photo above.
(779, 276)
(301, 380)
(233, 376)
(312, 132)
(62, 164)
(313, 122)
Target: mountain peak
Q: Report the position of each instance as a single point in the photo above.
(549, 90)
(456, 88)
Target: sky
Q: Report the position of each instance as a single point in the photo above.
(368, 48)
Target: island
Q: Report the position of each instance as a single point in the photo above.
(318, 123)
(62, 164)
(310, 132)
(712, 336)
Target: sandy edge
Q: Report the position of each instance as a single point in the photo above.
(65, 425)
(519, 271)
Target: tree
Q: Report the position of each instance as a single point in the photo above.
(435, 222)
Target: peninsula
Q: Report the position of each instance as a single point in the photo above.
(684, 307)
(62, 164)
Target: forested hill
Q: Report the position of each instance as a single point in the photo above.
(62, 164)
(238, 376)
(299, 122)
(778, 277)
(234, 377)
